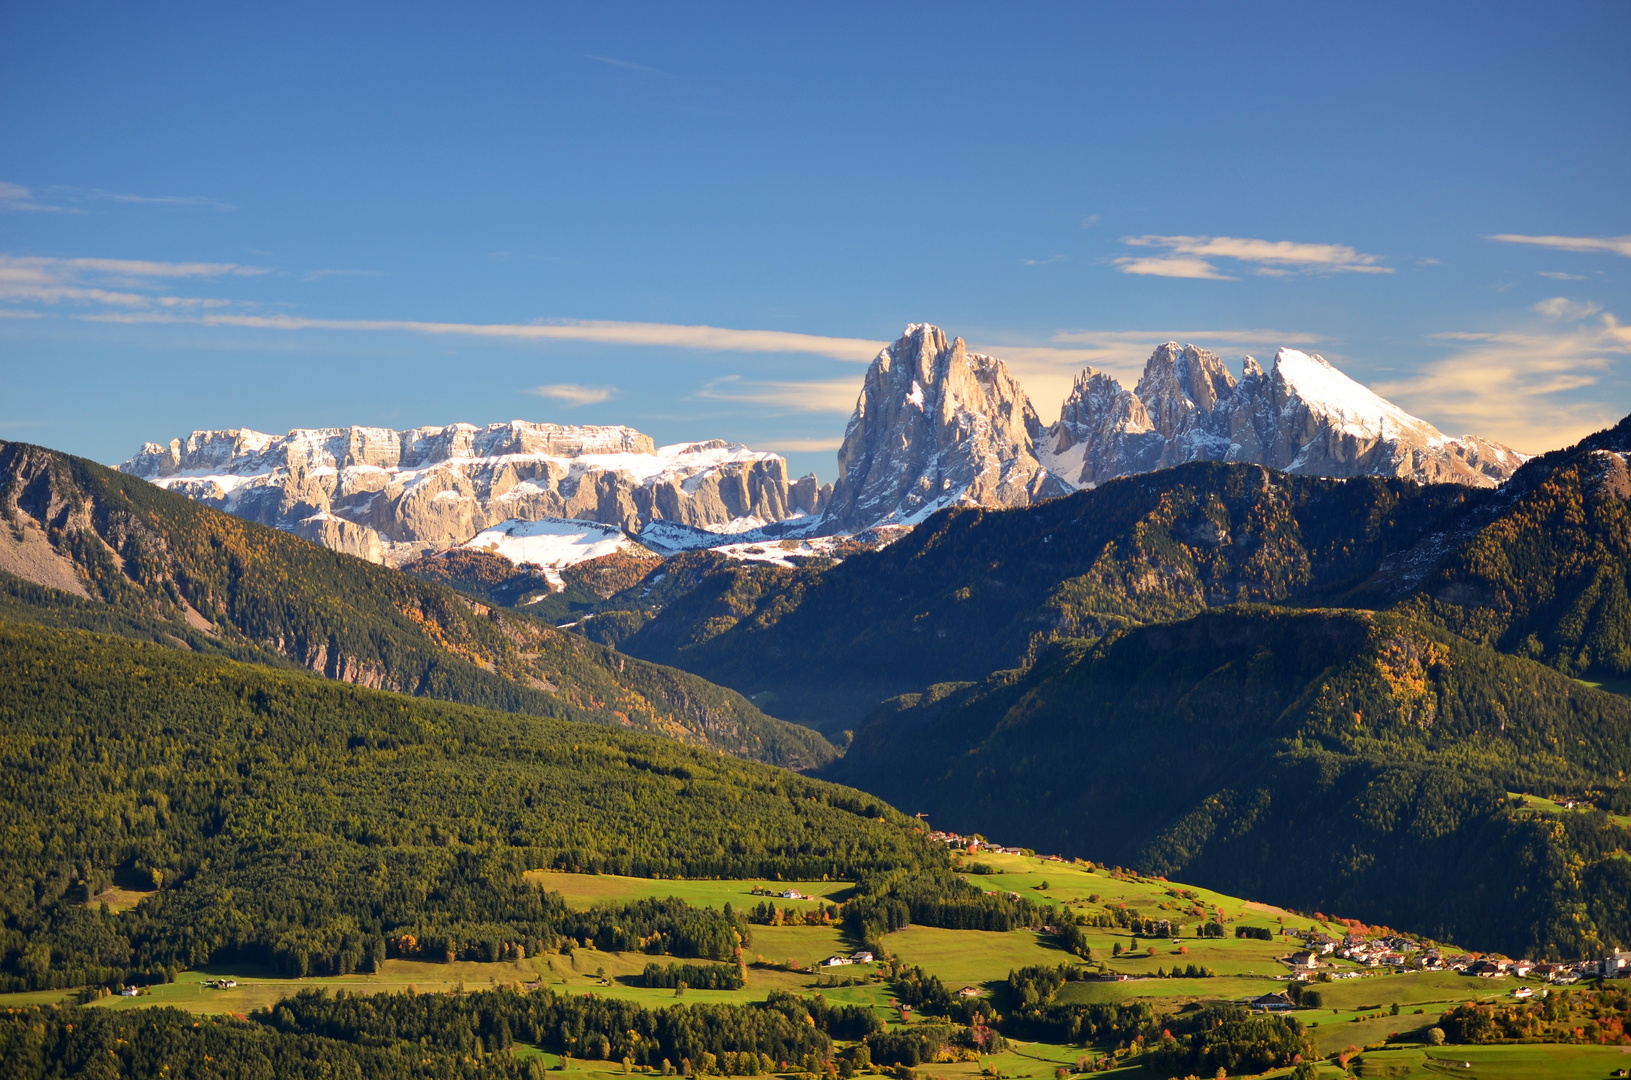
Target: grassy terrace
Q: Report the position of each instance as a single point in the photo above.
(1356, 1012)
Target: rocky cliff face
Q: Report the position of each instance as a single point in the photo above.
(389, 495)
(1303, 416)
(936, 426)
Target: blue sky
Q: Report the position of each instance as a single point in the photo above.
(269, 217)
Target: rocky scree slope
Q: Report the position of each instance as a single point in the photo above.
(386, 495)
(1328, 760)
(1303, 416)
(84, 546)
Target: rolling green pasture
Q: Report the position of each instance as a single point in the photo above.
(585, 890)
(1553, 808)
(1520, 1062)
(1074, 884)
(1356, 1011)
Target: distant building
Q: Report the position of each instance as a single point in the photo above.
(862, 957)
(836, 961)
(1271, 1002)
(1307, 958)
(969, 991)
(793, 894)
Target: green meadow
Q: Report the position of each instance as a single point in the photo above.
(1355, 1012)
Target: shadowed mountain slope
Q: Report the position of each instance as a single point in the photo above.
(84, 546)
(1331, 760)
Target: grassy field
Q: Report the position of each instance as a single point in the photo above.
(1526, 1062)
(584, 890)
(1551, 808)
(1355, 1012)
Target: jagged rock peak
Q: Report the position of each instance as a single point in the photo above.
(1303, 416)
(936, 425)
(391, 495)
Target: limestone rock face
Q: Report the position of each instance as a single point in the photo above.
(1303, 416)
(936, 426)
(389, 496)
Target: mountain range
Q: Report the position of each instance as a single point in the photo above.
(934, 426)
(1325, 677)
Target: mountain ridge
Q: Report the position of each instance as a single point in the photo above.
(156, 565)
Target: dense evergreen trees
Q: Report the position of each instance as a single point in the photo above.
(163, 568)
(444, 1036)
(315, 825)
(1338, 761)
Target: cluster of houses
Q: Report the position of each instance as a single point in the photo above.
(1397, 953)
(862, 957)
(972, 843)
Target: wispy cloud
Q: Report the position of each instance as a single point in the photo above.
(802, 446)
(60, 199)
(319, 275)
(1535, 388)
(629, 65)
(1046, 261)
(19, 198)
(815, 396)
(572, 395)
(705, 338)
(116, 283)
(176, 202)
(1611, 245)
(1189, 257)
(1558, 275)
(1561, 307)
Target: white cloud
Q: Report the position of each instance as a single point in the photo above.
(573, 395)
(18, 197)
(109, 282)
(801, 446)
(1187, 257)
(815, 396)
(1534, 388)
(1045, 262)
(1611, 245)
(1561, 307)
(708, 338)
(1172, 266)
(1558, 275)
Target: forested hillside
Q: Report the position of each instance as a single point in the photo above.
(153, 565)
(1550, 576)
(314, 825)
(971, 591)
(1331, 760)
(1539, 568)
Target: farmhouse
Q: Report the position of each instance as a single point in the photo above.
(968, 992)
(862, 957)
(793, 894)
(1271, 1002)
(1307, 958)
(836, 961)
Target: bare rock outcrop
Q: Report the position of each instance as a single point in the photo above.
(936, 426)
(1303, 416)
(389, 496)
